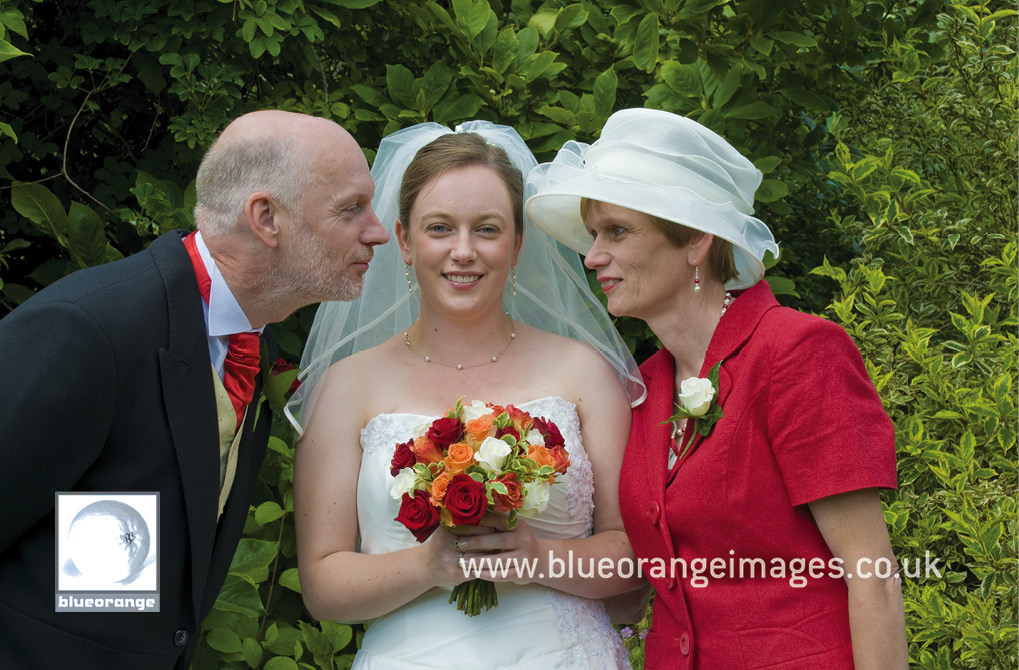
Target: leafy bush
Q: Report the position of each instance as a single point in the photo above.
(929, 158)
(885, 129)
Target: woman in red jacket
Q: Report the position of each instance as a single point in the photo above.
(754, 509)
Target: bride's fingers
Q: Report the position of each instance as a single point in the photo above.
(471, 530)
(500, 542)
(496, 521)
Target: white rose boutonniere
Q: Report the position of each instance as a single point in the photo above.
(697, 405)
(695, 394)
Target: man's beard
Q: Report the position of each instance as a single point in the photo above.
(308, 275)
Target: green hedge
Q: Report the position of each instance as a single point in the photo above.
(885, 129)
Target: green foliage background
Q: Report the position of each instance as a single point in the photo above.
(886, 130)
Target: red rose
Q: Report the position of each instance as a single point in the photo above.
(403, 457)
(445, 431)
(550, 431)
(508, 430)
(418, 515)
(465, 499)
(514, 496)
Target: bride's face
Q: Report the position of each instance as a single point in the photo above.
(461, 239)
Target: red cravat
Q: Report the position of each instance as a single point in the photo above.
(242, 356)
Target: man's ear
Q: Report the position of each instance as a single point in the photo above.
(263, 217)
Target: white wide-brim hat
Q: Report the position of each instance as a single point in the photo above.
(661, 164)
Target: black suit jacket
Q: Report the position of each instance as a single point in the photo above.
(108, 387)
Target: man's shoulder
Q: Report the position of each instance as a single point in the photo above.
(128, 283)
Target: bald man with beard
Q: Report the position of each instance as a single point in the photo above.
(125, 378)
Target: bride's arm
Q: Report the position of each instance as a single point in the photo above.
(338, 583)
(605, 424)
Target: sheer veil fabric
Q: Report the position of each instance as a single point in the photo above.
(552, 291)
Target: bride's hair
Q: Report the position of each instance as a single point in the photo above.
(457, 150)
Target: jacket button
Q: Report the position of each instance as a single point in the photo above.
(181, 637)
(684, 644)
(671, 584)
(656, 512)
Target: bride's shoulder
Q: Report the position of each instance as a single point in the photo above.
(573, 363)
(558, 348)
(366, 360)
(369, 364)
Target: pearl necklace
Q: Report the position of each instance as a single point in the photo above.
(460, 366)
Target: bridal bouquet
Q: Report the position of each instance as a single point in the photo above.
(478, 458)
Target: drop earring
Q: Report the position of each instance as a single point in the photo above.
(513, 282)
(410, 284)
(697, 278)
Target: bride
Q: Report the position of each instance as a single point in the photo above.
(484, 318)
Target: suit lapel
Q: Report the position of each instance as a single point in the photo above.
(189, 402)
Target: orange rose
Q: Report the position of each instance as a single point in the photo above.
(480, 428)
(514, 496)
(425, 450)
(541, 456)
(459, 457)
(561, 459)
(439, 485)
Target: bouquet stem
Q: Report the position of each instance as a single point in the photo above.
(471, 596)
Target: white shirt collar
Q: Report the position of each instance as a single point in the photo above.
(225, 316)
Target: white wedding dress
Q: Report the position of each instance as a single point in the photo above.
(533, 627)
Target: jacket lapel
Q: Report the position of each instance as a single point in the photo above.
(733, 331)
(189, 401)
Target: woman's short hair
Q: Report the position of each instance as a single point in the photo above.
(456, 150)
(721, 263)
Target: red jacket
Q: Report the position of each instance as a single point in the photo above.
(802, 421)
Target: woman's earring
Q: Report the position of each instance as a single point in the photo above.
(697, 278)
(410, 284)
(513, 282)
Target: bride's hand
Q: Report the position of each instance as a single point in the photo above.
(507, 555)
(445, 549)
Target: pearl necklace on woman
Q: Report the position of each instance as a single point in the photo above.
(460, 366)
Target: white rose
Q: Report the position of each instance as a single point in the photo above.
(404, 482)
(421, 429)
(476, 410)
(535, 499)
(492, 454)
(695, 393)
(535, 439)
